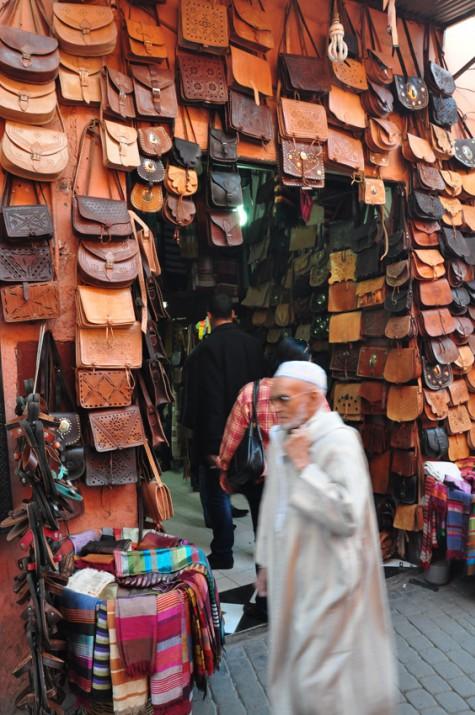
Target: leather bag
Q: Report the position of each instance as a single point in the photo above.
(224, 230)
(424, 233)
(347, 401)
(453, 211)
(203, 25)
(342, 266)
(370, 293)
(458, 393)
(180, 181)
(371, 362)
(251, 73)
(436, 377)
(443, 111)
(436, 405)
(250, 27)
(222, 145)
(399, 300)
(465, 152)
(84, 30)
(346, 109)
(225, 190)
(404, 435)
(405, 403)
(119, 146)
(373, 323)
(401, 326)
(404, 462)
(453, 183)
(429, 178)
(202, 79)
(80, 79)
(27, 56)
(179, 211)
(27, 264)
(373, 398)
(151, 171)
(435, 293)
(302, 120)
(255, 122)
(403, 365)
(345, 150)
(428, 265)
(425, 206)
(378, 101)
(30, 301)
(104, 388)
(24, 222)
(102, 348)
(379, 472)
(146, 41)
(434, 443)
(102, 307)
(458, 447)
(26, 102)
(33, 153)
(442, 350)
(442, 142)
(458, 420)
(248, 462)
(372, 192)
(345, 328)
(121, 428)
(416, 149)
(154, 141)
(341, 297)
(108, 264)
(154, 92)
(408, 517)
(453, 243)
(398, 274)
(106, 469)
(344, 361)
(117, 92)
(302, 164)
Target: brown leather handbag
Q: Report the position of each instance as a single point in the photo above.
(224, 230)
(371, 191)
(156, 495)
(203, 25)
(121, 428)
(341, 297)
(80, 79)
(429, 178)
(102, 263)
(344, 361)
(106, 469)
(104, 388)
(250, 26)
(412, 91)
(405, 403)
(345, 328)
(378, 101)
(453, 182)
(347, 401)
(302, 164)
(404, 435)
(97, 217)
(251, 73)
(342, 266)
(435, 293)
(345, 150)
(26, 102)
(84, 30)
(146, 240)
(30, 301)
(33, 153)
(302, 120)
(27, 56)
(403, 365)
(370, 293)
(120, 150)
(146, 40)
(102, 348)
(154, 141)
(458, 393)
(424, 233)
(373, 398)
(179, 211)
(117, 91)
(25, 264)
(24, 222)
(379, 467)
(442, 142)
(103, 307)
(225, 190)
(374, 323)
(416, 149)
(458, 420)
(458, 447)
(152, 416)
(222, 145)
(377, 69)
(255, 122)
(397, 274)
(371, 362)
(436, 404)
(202, 79)
(345, 109)
(399, 327)
(154, 92)
(180, 181)
(435, 323)
(428, 265)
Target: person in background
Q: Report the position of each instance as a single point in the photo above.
(216, 370)
(331, 646)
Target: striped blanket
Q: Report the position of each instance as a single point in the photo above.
(101, 674)
(132, 563)
(458, 512)
(471, 541)
(434, 506)
(79, 611)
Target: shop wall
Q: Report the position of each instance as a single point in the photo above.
(118, 506)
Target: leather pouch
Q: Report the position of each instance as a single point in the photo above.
(255, 122)
(465, 359)
(117, 92)
(397, 274)
(458, 447)
(373, 398)
(341, 297)
(345, 328)
(225, 189)
(377, 69)
(342, 266)
(108, 264)
(408, 517)
(224, 229)
(101, 307)
(436, 377)
(373, 323)
(439, 79)
(458, 420)
(347, 401)
(111, 468)
(26, 102)
(453, 243)
(251, 73)
(429, 178)
(33, 153)
(146, 41)
(465, 152)
(106, 349)
(378, 101)
(117, 429)
(148, 198)
(404, 462)
(345, 150)
(401, 326)
(424, 233)
(405, 403)
(425, 206)
(222, 146)
(202, 79)
(344, 361)
(179, 211)
(31, 301)
(412, 93)
(27, 56)
(154, 141)
(428, 265)
(104, 388)
(375, 436)
(436, 404)
(302, 164)
(372, 192)
(203, 25)
(24, 222)
(404, 489)
(379, 466)
(403, 365)
(370, 293)
(434, 443)
(453, 211)
(119, 146)
(250, 26)
(458, 393)
(468, 183)
(435, 293)
(415, 149)
(84, 30)
(80, 79)
(399, 300)
(346, 109)
(368, 262)
(302, 120)
(453, 182)
(101, 218)
(404, 435)
(442, 350)
(442, 143)
(154, 92)
(371, 362)
(180, 181)
(25, 264)
(443, 111)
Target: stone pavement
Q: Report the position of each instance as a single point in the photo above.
(435, 637)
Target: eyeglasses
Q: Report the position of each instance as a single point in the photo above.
(284, 399)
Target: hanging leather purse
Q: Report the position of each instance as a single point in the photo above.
(347, 401)
(202, 79)
(458, 420)
(120, 150)
(404, 435)
(458, 447)
(453, 183)
(437, 76)
(453, 211)
(117, 429)
(397, 274)
(203, 25)
(33, 153)
(222, 145)
(251, 73)
(429, 178)
(117, 92)
(460, 301)
(443, 111)
(373, 398)
(27, 56)
(382, 135)
(151, 171)
(371, 362)
(465, 359)
(424, 233)
(102, 307)
(464, 149)
(345, 109)
(104, 388)
(344, 361)
(345, 328)
(80, 79)
(26, 102)
(404, 489)
(425, 206)
(108, 469)
(146, 40)
(187, 152)
(378, 101)
(375, 436)
(154, 141)
(24, 222)
(97, 217)
(434, 443)
(403, 365)
(30, 301)
(370, 293)
(468, 183)
(342, 266)
(453, 243)
(428, 265)
(436, 377)
(101, 348)
(345, 150)
(225, 190)
(405, 403)
(412, 93)
(304, 73)
(379, 472)
(84, 30)
(351, 72)
(302, 164)
(442, 142)
(415, 149)
(28, 264)
(458, 393)
(399, 300)
(180, 181)
(442, 350)
(154, 92)
(250, 27)
(342, 297)
(224, 230)
(154, 423)
(404, 462)
(400, 327)
(252, 121)
(302, 121)
(179, 211)
(435, 293)
(108, 264)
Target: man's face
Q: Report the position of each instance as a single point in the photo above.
(294, 401)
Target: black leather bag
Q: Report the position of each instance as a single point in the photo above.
(453, 243)
(435, 443)
(24, 223)
(368, 264)
(222, 146)
(248, 462)
(399, 300)
(225, 189)
(443, 111)
(186, 154)
(425, 206)
(404, 489)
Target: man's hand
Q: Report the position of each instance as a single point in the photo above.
(297, 448)
(261, 583)
(212, 460)
(224, 483)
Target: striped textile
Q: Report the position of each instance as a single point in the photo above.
(136, 627)
(79, 611)
(434, 507)
(170, 683)
(101, 674)
(131, 563)
(471, 540)
(458, 511)
(129, 695)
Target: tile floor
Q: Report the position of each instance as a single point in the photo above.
(188, 523)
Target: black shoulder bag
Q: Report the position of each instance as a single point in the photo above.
(248, 462)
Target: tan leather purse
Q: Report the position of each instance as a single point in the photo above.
(428, 265)
(80, 79)
(468, 183)
(30, 301)
(459, 394)
(119, 428)
(146, 240)
(108, 349)
(346, 108)
(342, 266)
(409, 517)
(119, 146)
(436, 404)
(442, 142)
(345, 150)
(146, 40)
(453, 182)
(458, 420)
(453, 211)
(469, 216)
(157, 497)
(84, 30)
(33, 153)
(203, 24)
(416, 149)
(28, 103)
(458, 447)
(405, 403)
(372, 191)
(302, 120)
(104, 388)
(180, 181)
(370, 293)
(252, 73)
(104, 307)
(345, 328)
(341, 297)
(250, 26)
(403, 365)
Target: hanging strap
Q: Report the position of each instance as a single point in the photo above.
(464, 126)
(367, 23)
(411, 47)
(348, 25)
(91, 131)
(152, 463)
(185, 115)
(140, 267)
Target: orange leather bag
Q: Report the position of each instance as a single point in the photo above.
(33, 153)
(84, 30)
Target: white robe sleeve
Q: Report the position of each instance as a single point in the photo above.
(264, 524)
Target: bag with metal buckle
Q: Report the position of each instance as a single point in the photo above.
(80, 79)
(436, 377)
(117, 91)
(411, 91)
(27, 56)
(371, 362)
(119, 146)
(33, 153)
(114, 265)
(26, 102)
(154, 141)
(302, 164)
(146, 40)
(101, 348)
(84, 30)
(154, 92)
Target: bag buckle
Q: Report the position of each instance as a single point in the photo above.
(25, 59)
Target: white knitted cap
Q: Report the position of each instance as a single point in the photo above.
(304, 371)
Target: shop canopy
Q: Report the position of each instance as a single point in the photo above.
(442, 13)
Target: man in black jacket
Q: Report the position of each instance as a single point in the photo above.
(215, 372)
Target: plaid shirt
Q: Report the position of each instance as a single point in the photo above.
(240, 418)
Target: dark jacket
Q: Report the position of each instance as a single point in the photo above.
(215, 372)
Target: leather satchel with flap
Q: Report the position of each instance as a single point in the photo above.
(106, 469)
(27, 56)
(104, 388)
(346, 109)
(30, 301)
(373, 398)
(26, 102)
(28, 264)
(302, 120)
(223, 229)
(345, 150)
(435, 293)
(84, 30)
(250, 26)
(154, 141)
(117, 429)
(146, 41)
(33, 153)
(203, 25)
(347, 401)
(251, 73)
(22, 222)
(102, 307)
(119, 146)
(222, 146)
(103, 348)
(255, 122)
(202, 79)
(403, 365)
(80, 79)
(371, 362)
(405, 403)
(225, 189)
(101, 263)
(345, 328)
(370, 293)
(117, 91)
(428, 265)
(154, 92)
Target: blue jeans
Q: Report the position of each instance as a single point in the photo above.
(217, 511)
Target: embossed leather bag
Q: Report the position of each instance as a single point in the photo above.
(25, 264)
(180, 181)
(102, 348)
(439, 79)
(458, 447)
(30, 301)
(347, 401)
(412, 92)
(154, 141)
(84, 30)
(120, 428)
(146, 40)
(302, 120)
(203, 25)
(458, 393)
(27, 56)
(202, 79)
(102, 307)
(255, 122)
(351, 73)
(80, 79)
(302, 164)
(24, 222)
(458, 420)
(33, 153)
(154, 92)
(225, 189)
(345, 150)
(250, 26)
(104, 388)
(108, 264)
(405, 403)
(111, 468)
(428, 264)
(251, 73)
(342, 266)
(224, 230)
(97, 217)
(119, 146)
(403, 365)
(26, 102)
(371, 362)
